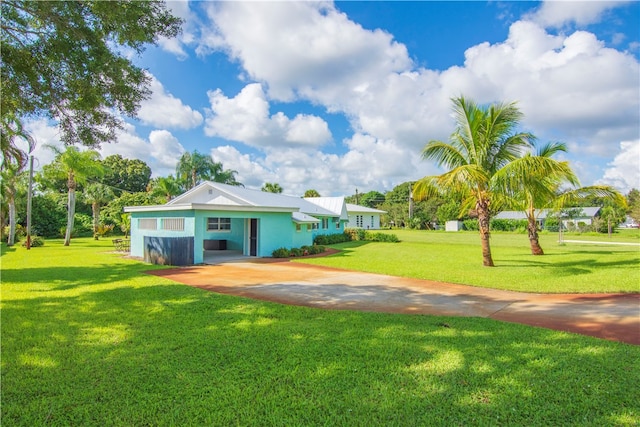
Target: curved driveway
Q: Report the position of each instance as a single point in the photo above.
(610, 316)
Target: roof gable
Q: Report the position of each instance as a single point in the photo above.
(362, 209)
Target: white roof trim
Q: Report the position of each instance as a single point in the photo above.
(358, 208)
(302, 218)
(206, 207)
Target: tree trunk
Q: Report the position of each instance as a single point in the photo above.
(71, 208)
(11, 240)
(95, 208)
(532, 230)
(482, 209)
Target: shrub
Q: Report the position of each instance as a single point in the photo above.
(35, 241)
(20, 232)
(354, 233)
(471, 224)
(508, 224)
(380, 237)
(331, 239)
(296, 252)
(281, 253)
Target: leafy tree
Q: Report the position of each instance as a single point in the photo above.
(97, 194)
(449, 211)
(483, 143)
(48, 215)
(165, 187)
(270, 187)
(311, 193)
(193, 168)
(372, 199)
(69, 61)
(633, 203)
(123, 174)
(77, 166)
(112, 213)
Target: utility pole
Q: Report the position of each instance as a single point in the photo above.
(357, 197)
(29, 195)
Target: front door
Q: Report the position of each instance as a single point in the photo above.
(253, 237)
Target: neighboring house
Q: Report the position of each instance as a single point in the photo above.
(363, 217)
(586, 215)
(214, 217)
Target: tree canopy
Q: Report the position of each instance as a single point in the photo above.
(69, 61)
(123, 174)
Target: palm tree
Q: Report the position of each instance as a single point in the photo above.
(534, 182)
(311, 193)
(196, 167)
(10, 131)
(77, 166)
(484, 141)
(97, 194)
(14, 160)
(270, 187)
(165, 187)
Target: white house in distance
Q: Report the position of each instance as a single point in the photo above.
(363, 217)
(585, 215)
(212, 218)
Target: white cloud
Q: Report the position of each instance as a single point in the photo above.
(180, 9)
(558, 13)
(44, 134)
(309, 48)
(163, 109)
(245, 118)
(623, 172)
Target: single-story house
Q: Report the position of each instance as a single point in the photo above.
(213, 218)
(363, 217)
(585, 215)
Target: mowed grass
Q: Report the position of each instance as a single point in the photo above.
(89, 339)
(456, 257)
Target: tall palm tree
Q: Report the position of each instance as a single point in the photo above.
(271, 187)
(165, 187)
(14, 160)
(193, 168)
(97, 194)
(77, 166)
(484, 141)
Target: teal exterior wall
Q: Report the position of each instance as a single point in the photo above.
(275, 230)
(137, 234)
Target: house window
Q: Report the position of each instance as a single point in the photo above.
(358, 220)
(314, 226)
(298, 227)
(337, 223)
(148, 224)
(325, 223)
(372, 223)
(173, 224)
(218, 224)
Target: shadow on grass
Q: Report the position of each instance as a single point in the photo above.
(4, 249)
(169, 354)
(63, 278)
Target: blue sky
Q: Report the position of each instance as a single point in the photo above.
(339, 96)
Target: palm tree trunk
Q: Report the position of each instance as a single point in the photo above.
(95, 208)
(532, 230)
(483, 225)
(11, 240)
(71, 208)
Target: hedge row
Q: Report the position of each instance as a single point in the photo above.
(293, 252)
(355, 234)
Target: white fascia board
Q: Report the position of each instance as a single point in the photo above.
(206, 207)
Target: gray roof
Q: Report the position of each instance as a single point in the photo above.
(214, 195)
(362, 209)
(588, 212)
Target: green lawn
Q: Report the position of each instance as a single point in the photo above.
(456, 258)
(88, 339)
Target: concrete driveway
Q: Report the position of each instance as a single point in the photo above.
(609, 316)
